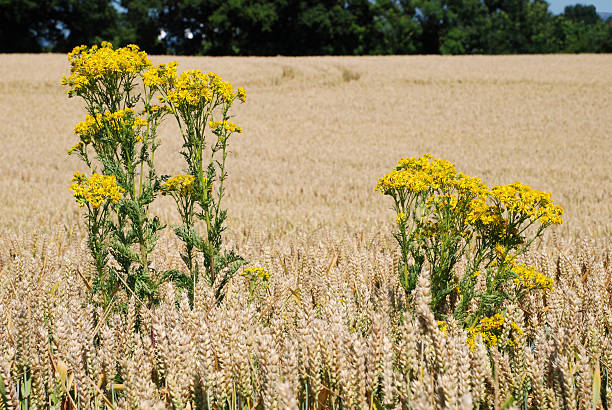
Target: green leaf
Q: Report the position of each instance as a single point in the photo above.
(596, 385)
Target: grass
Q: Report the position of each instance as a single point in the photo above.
(302, 205)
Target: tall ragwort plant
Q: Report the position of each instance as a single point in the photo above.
(118, 146)
(201, 105)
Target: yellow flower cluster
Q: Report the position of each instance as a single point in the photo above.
(500, 250)
(516, 328)
(90, 64)
(467, 185)
(192, 88)
(241, 94)
(160, 76)
(226, 126)
(93, 126)
(528, 278)
(256, 273)
(76, 147)
(424, 173)
(402, 180)
(439, 168)
(401, 217)
(447, 200)
(180, 184)
(429, 175)
(489, 328)
(417, 175)
(222, 88)
(481, 212)
(95, 190)
(520, 198)
(87, 129)
(443, 326)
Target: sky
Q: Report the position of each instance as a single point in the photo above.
(557, 6)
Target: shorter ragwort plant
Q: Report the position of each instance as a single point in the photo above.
(444, 215)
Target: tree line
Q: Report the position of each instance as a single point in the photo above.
(304, 27)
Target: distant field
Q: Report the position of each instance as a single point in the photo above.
(320, 131)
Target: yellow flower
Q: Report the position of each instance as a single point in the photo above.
(95, 190)
(527, 277)
(500, 250)
(138, 124)
(241, 94)
(418, 175)
(88, 65)
(516, 328)
(113, 124)
(489, 328)
(518, 198)
(479, 212)
(443, 326)
(226, 126)
(181, 185)
(469, 186)
(256, 273)
(76, 147)
(160, 76)
(403, 180)
(401, 217)
(191, 89)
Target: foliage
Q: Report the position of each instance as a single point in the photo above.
(444, 215)
(56, 25)
(124, 146)
(252, 27)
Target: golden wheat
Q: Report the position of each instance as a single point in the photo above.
(318, 134)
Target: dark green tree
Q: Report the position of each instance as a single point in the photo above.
(395, 28)
(26, 26)
(141, 24)
(303, 27)
(581, 13)
(56, 25)
(86, 22)
(434, 18)
(470, 22)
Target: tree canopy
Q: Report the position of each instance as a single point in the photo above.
(304, 27)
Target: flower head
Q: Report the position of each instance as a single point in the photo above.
(241, 94)
(88, 65)
(181, 185)
(95, 190)
(164, 75)
(118, 124)
(256, 273)
(226, 126)
(528, 278)
(520, 198)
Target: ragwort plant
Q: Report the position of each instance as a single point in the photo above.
(197, 101)
(444, 215)
(123, 145)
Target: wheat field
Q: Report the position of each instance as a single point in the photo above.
(317, 139)
(319, 132)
